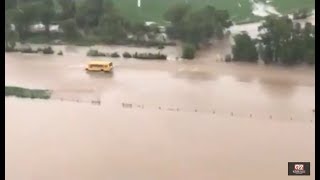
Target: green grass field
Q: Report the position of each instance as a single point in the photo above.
(153, 10)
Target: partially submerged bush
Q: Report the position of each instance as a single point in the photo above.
(149, 43)
(244, 48)
(48, 50)
(161, 46)
(39, 50)
(60, 53)
(95, 53)
(115, 55)
(126, 55)
(150, 56)
(11, 49)
(188, 51)
(27, 93)
(228, 58)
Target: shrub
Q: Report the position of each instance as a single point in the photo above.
(244, 48)
(115, 55)
(10, 49)
(126, 55)
(48, 50)
(161, 46)
(188, 51)
(158, 56)
(60, 53)
(95, 53)
(39, 50)
(228, 58)
(70, 29)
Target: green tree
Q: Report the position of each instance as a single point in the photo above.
(138, 29)
(308, 34)
(23, 16)
(188, 51)
(89, 13)
(11, 36)
(112, 28)
(276, 32)
(244, 48)
(177, 13)
(47, 14)
(10, 4)
(68, 9)
(284, 42)
(199, 26)
(70, 29)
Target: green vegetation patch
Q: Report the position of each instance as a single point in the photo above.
(240, 10)
(27, 93)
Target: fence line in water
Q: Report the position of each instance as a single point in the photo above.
(93, 102)
(213, 112)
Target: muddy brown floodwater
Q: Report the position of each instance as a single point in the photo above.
(191, 120)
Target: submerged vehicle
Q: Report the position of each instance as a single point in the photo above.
(100, 66)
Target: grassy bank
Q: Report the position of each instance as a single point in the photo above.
(27, 93)
(153, 10)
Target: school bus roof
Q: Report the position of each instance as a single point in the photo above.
(99, 62)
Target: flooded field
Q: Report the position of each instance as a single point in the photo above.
(189, 120)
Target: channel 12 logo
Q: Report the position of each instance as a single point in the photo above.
(299, 168)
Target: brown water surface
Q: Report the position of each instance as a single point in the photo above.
(216, 121)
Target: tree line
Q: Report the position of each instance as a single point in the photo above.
(280, 39)
(88, 19)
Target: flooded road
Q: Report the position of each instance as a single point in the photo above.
(189, 120)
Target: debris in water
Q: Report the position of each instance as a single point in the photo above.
(126, 105)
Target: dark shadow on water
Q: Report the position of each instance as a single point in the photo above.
(194, 75)
(278, 87)
(72, 49)
(100, 75)
(245, 79)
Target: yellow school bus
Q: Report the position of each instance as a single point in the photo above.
(103, 66)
